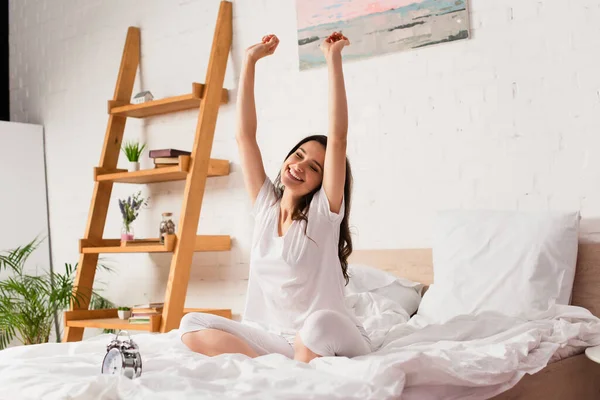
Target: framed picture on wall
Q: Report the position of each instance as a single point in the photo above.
(378, 27)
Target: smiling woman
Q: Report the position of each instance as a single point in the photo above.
(302, 175)
(295, 304)
(305, 165)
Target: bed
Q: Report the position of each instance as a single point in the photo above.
(575, 377)
(432, 362)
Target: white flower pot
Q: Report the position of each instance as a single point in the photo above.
(134, 166)
(124, 314)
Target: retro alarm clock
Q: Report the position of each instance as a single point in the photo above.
(122, 358)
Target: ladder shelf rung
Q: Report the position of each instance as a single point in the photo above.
(163, 106)
(108, 319)
(177, 172)
(203, 243)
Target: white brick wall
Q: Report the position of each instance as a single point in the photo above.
(508, 119)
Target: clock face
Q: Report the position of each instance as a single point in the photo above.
(113, 362)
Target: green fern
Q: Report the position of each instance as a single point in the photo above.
(133, 150)
(28, 303)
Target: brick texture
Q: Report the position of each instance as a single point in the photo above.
(506, 120)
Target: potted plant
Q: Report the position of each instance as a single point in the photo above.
(129, 211)
(133, 151)
(29, 303)
(124, 312)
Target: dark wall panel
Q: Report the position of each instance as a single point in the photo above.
(4, 75)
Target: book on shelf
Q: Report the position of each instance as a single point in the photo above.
(146, 310)
(139, 320)
(144, 315)
(148, 305)
(168, 153)
(166, 160)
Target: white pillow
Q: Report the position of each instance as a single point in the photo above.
(402, 291)
(513, 263)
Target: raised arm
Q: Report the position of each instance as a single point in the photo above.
(250, 157)
(334, 173)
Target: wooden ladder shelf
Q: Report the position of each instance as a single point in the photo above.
(193, 169)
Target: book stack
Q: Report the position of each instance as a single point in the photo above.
(141, 313)
(166, 157)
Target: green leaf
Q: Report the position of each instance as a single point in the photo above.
(15, 259)
(28, 303)
(133, 150)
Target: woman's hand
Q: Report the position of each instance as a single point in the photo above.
(334, 44)
(266, 47)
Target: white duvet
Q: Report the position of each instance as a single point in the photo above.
(465, 358)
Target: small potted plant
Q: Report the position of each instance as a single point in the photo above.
(133, 151)
(130, 209)
(124, 312)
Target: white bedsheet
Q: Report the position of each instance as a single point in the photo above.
(465, 358)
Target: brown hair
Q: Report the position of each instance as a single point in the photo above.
(301, 210)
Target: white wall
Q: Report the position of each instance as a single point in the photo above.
(508, 119)
(23, 193)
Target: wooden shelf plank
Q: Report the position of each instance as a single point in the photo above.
(163, 106)
(212, 243)
(109, 323)
(177, 172)
(203, 243)
(218, 167)
(157, 107)
(107, 319)
(155, 175)
(115, 246)
(119, 249)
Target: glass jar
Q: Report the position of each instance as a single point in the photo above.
(126, 232)
(167, 226)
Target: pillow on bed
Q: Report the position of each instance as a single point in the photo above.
(368, 279)
(513, 263)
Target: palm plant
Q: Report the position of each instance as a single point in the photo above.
(29, 303)
(133, 150)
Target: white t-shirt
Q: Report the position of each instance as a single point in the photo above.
(297, 274)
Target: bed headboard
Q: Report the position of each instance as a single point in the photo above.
(416, 265)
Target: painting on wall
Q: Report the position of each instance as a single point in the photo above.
(377, 27)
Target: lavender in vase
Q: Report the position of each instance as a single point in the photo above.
(129, 211)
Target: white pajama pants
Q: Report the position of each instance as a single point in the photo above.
(326, 333)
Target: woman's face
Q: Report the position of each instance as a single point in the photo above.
(302, 172)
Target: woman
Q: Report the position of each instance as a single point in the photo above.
(295, 301)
